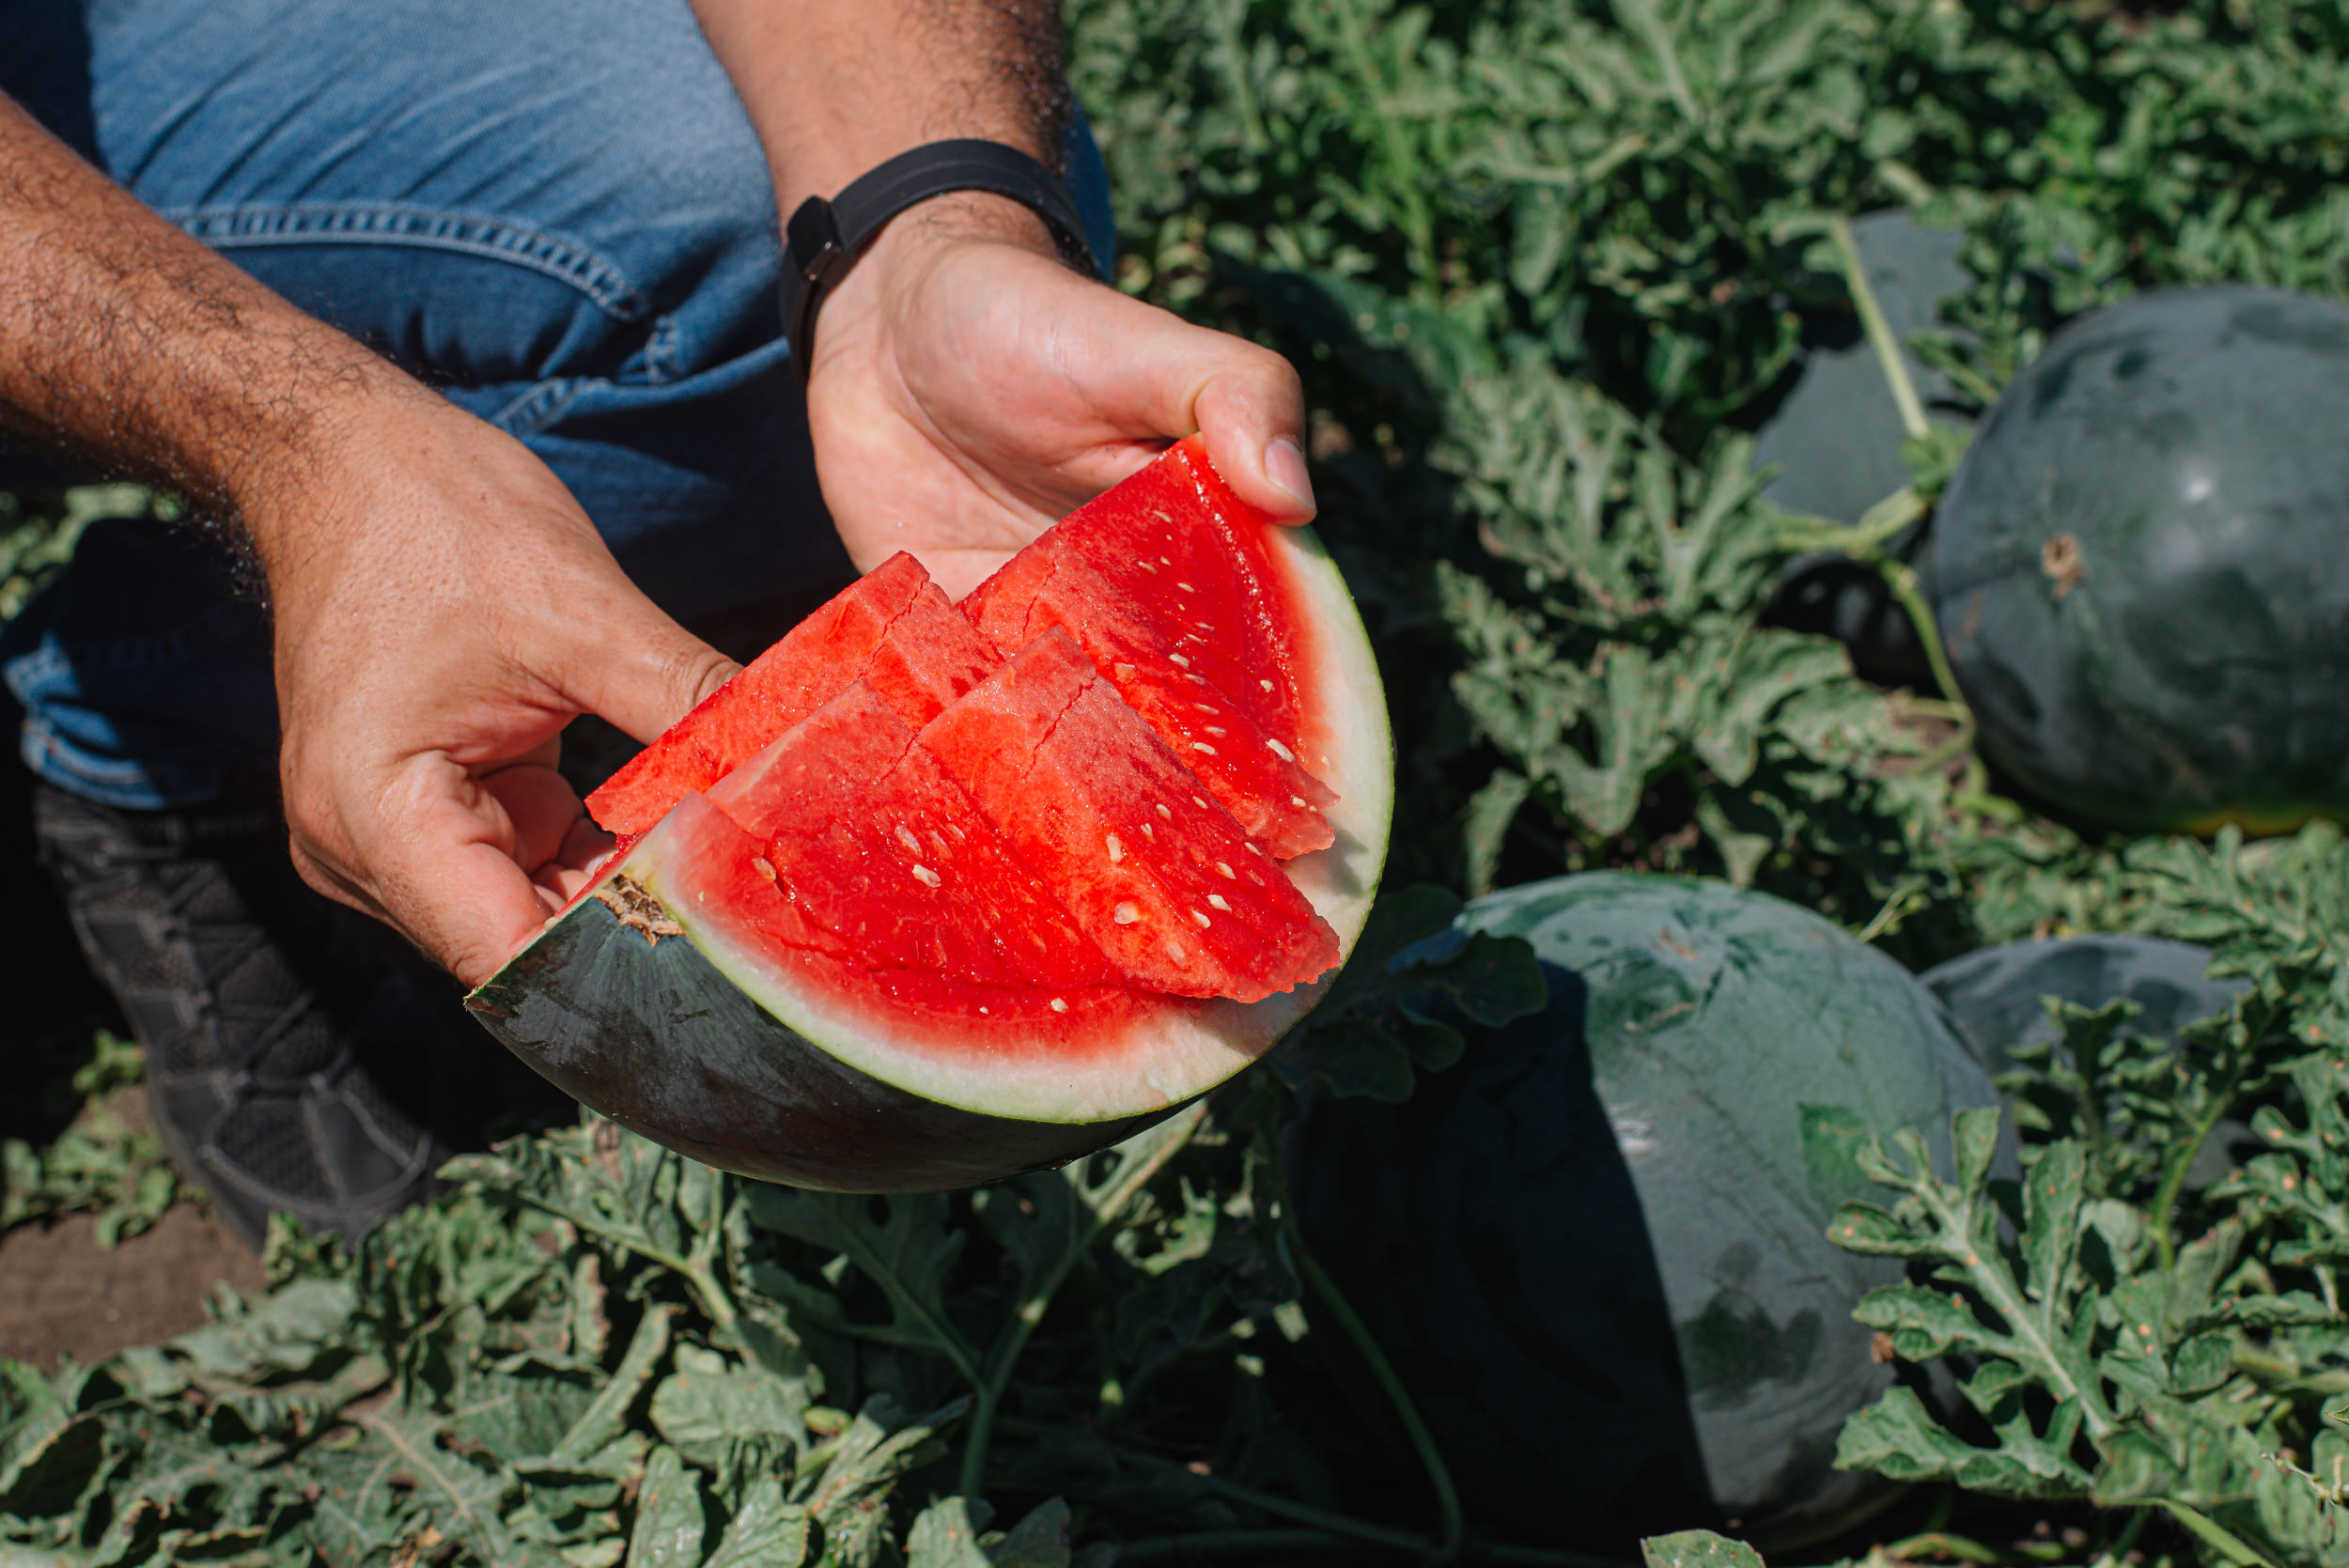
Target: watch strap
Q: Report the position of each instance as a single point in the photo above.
(823, 239)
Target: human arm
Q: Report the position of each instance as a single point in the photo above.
(967, 389)
(441, 606)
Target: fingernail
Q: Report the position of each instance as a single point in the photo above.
(1285, 465)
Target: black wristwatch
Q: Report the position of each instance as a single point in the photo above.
(824, 237)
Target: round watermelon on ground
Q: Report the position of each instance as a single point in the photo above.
(2139, 572)
(931, 895)
(1596, 1248)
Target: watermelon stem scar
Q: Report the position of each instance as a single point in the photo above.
(930, 894)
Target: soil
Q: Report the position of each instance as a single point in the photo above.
(61, 1293)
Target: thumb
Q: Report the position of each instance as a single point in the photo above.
(638, 670)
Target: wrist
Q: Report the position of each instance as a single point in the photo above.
(952, 191)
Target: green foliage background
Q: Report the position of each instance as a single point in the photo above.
(1548, 265)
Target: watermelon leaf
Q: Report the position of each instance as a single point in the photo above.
(1697, 1548)
(1413, 977)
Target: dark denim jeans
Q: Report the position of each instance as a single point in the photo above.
(554, 210)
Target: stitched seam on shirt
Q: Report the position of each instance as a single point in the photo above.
(379, 223)
(540, 406)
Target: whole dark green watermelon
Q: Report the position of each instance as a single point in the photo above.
(1596, 1248)
(1996, 996)
(2141, 568)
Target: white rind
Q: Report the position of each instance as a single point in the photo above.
(1194, 1046)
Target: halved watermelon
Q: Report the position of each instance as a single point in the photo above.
(915, 907)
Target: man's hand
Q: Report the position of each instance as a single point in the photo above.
(443, 608)
(967, 390)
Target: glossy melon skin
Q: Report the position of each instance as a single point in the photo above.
(1996, 995)
(639, 1024)
(2141, 568)
(1596, 1248)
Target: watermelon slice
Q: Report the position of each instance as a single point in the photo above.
(1180, 619)
(892, 629)
(915, 907)
(1164, 880)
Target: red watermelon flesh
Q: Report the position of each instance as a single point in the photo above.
(882, 861)
(1164, 880)
(1180, 616)
(1252, 774)
(891, 628)
(932, 1012)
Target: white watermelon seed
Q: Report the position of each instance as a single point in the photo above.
(1202, 745)
(1059, 1006)
(1125, 914)
(1204, 920)
(1251, 847)
(904, 836)
(1146, 567)
(1297, 799)
(1225, 867)
(1180, 660)
(1162, 560)
(1204, 708)
(1184, 586)
(1160, 809)
(1149, 832)
(1196, 680)
(1214, 729)
(1280, 751)
(1117, 850)
(982, 1009)
(1173, 949)
(928, 877)
(1215, 900)
(760, 864)
(1203, 805)
(1266, 684)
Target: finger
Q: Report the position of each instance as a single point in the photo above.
(540, 806)
(437, 849)
(1173, 379)
(636, 668)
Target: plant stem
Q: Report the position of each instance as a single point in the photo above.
(1450, 1522)
(1880, 339)
(2212, 1536)
(988, 1382)
(1231, 1543)
(2182, 1157)
(1322, 1519)
(1510, 1556)
(1941, 1543)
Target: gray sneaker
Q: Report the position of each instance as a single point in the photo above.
(269, 1026)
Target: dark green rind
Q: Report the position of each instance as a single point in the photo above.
(2190, 442)
(723, 1082)
(1994, 996)
(1596, 1248)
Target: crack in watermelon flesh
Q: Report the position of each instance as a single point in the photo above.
(884, 862)
(892, 629)
(1163, 879)
(931, 1013)
(1181, 618)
